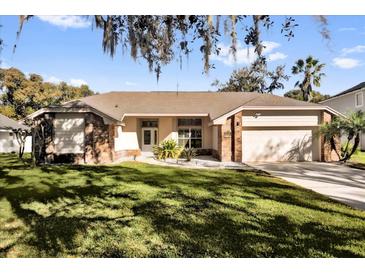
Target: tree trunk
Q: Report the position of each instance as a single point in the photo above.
(354, 148)
(334, 147)
(33, 148)
(21, 151)
(345, 155)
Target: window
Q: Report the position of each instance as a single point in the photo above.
(155, 137)
(147, 137)
(190, 133)
(359, 100)
(189, 122)
(149, 124)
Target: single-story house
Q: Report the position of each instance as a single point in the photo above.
(8, 142)
(350, 100)
(231, 126)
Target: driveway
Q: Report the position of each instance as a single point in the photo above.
(339, 182)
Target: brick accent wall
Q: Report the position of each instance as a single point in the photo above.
(44, 148)
(215, 154)
(98, 143)
(327, 155)
(127, 153)
(236, 128)
(99, 140)
(225, 141)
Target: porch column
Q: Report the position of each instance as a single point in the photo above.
(237, 137)
(224, 141)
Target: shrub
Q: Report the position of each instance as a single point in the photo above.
(167, 149)
(189, 154)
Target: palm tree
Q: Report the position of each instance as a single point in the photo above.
(311, 69)
(351, 127)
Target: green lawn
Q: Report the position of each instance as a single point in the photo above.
(140, 210)
(358, 157)
(357, 160)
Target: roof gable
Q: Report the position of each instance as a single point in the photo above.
(214, 104)
(7, 123)
(347, 91)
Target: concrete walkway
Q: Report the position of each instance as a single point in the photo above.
(339, 182)
(197, 162)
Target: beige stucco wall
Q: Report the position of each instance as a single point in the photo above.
(345, 103)
(127, 137)
(283, 117)
(167, 129)
(207, 134)
(215, 137)
(130, 124)
(125, 140)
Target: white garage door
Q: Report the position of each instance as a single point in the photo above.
(69, 133)
(8, 142)
(276, 145)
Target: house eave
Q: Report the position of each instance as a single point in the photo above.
(59, 109)
(340, 96)
(166, 114)
(146, 115)
(222, 119)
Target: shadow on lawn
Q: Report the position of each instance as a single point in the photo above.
(210, 225)
(219, 236)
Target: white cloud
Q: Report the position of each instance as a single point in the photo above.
(276, 56)
(127, 83)
(269, 46)
(243, 55)
(347, 29)
(4, 65)
(246, 55)
(72, 82)
(77, 82)
(356, 49)
(345, 63)
(53, 79)
(66, 21)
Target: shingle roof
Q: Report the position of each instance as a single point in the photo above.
(215, 104)
(357, 87)
(7, 123)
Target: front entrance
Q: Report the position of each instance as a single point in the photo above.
(149, 138)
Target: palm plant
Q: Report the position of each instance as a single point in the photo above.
(189, 154)
(167, 149)
(351, 127)
(311, 70)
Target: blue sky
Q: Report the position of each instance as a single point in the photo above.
(68, 49)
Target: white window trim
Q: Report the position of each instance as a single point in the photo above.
(189, 138)
(190, 128)
(362, 99)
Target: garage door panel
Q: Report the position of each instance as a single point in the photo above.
(277, 145)
(69, 133)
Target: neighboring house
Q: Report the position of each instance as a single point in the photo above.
(231, 126)
(350, 100)
(8, 142)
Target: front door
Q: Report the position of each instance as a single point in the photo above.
(149, 138)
